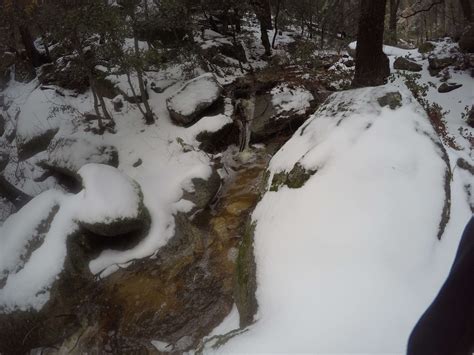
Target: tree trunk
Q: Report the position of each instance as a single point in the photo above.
(33, 55)
(264, 15)
(141, 85)
(392, 23)
(275, 23)
(372, 66)
(466, 10)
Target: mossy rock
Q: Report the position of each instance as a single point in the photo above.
(426, 47)
(246, 278)
(294, 179)
(391, 99)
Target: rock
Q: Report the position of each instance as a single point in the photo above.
(466, 42)
(445, 87)
(2, 125)
(391, 99)
(426, 47)
(113, 202)
(218, 141)
(402, 63)
(294, 179)
(118, 103)
(27, 147)
(349, 63)
(227, 50)
(351, 51)
(470, 117)
(7, 59)
(193, 99)
(437, 64)
(4, 159)
(160, 86)
(204, 190)
(66, 155)
(137, 163)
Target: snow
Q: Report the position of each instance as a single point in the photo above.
(107, 195)
(203, 89)
(286, 99)
(348, 262)
(41, 113)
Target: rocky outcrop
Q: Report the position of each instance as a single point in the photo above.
(437, 64)
(204, 190)
(402, 63)
(196, 96)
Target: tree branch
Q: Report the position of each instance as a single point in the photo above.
(433, 4)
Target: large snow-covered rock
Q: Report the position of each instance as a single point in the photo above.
(68, 154)
(111, 203)
(347, 254)
(193, 98)
(39, 121)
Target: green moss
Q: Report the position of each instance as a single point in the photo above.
(294, 179)
(391, 99)
(246, 283)
(426, 47)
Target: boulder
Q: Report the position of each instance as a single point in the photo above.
(437, 64)
(391, 99)
(466, 42)
(204, 190)
(426, 47)
(196, 96)
(66, 155)
(445, 87)
(402, 63)
(112, 203)
(470, 117)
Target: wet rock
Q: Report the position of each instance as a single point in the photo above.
(426, 47)
(246, 281)
(218, 141)
(445, 87)
(204, 190)
(196, 96)
(466, 42)
(402, 63)
(391, 99)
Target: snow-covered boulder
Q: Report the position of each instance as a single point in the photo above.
(39, 121)
(111, 204)
(350, 241)
(67, 155)
(193, 98)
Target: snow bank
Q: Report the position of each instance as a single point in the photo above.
(349, 261)
(108, 195)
